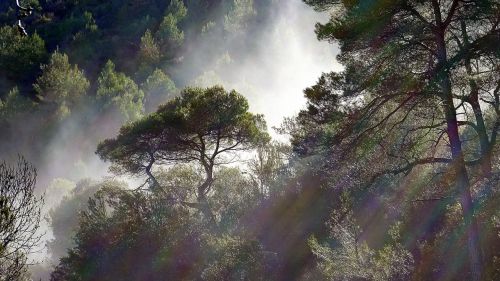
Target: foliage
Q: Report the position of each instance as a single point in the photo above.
(202, 126)
(197, 126)
(158, 89)
(233, 197)
(267, 166)
(149, 52)
(122, 227)
(169, 35)
(237, 18)
(14, 104)
(63, 218)
(393, 168)
(61, 83)
(19, 55)
(406, 64)
(352, 258)
(118, 93)
(234, 258)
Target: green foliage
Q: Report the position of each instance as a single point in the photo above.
(61, 83)
(206, 79)
(135, 235)
(168, 34)
(212, 119)
(177, 9)
(178, 181)
(131, 235)
(90, 23)
(158, 88)
(398, 96)
(19, 55)
(64, 216)
(14, 104)
(236, 20)
(118, 93)
(201, 126)
(267, 166)
(233, 196)
(149, 52)
(207, 27)
(234, 258)
(366, 131)
(352, 258)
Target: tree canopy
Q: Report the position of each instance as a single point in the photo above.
(404, 64)
(61, 83)
(118, 93)
(204, 126)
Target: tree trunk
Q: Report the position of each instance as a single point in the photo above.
(486, 153)
(462, 182)
(204, 206)
(473, 99)
(154, 183)
(209, 216)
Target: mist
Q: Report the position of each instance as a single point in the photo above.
(221, 140)
(281, 56)
(285, 57)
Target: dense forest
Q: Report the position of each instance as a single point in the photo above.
(131, 147)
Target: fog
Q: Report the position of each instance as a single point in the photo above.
(289, 60)
(285, 58)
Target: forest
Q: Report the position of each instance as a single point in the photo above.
(308, 140)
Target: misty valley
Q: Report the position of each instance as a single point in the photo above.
(308, 140)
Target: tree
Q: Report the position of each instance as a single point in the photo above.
(158, 88)
(149, 53)
(141, 235)
(202, 126)
(169, 36)
(19, 55)
(14, 104)
(238, 17)
(119, 93)
(351, 258)
(61, 83)
(64, 216)
(401, 54)
(131, 235)
(266, 166)
(234, 258)
(19, 218)
(234, 196)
